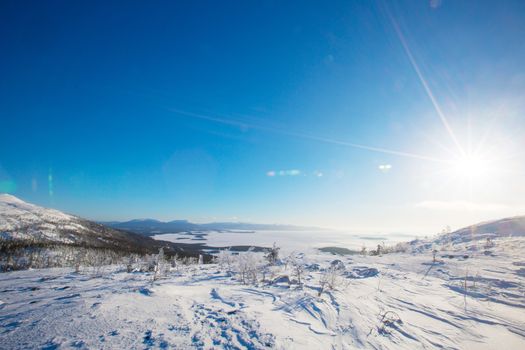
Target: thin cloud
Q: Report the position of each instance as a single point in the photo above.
(467, 206)
(434, 4)
(318, 173)
(245, 126)
(385, 168)
(290, 172)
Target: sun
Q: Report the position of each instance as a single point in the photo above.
(471, 167)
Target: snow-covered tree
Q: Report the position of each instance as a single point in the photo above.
(160, 265)
(272, 254)
(224, 259)
(247, 267)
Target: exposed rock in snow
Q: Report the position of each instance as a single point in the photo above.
(362, 272)
(281, 279)
(337, 264)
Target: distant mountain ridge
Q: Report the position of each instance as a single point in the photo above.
(153, 226)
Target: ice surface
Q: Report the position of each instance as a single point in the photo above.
(291, 240)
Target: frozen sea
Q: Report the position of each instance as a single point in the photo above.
(299, 240)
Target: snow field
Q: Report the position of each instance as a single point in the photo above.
(411, 303)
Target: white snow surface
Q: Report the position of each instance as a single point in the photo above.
(412, 303)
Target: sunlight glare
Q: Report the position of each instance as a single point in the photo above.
(471, 167)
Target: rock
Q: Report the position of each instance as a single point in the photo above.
(337, 264)
(281, 279)
(313, 267)
(362, 272)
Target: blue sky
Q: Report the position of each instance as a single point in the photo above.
(276, 112)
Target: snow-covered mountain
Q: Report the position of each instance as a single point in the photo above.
(23, 221)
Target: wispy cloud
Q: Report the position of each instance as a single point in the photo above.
(468, 206)
(385, 168)
(290, 172)
(434, 4)
(247, 125)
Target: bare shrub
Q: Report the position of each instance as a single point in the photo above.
(298, 268)
(331, 278)
(390, 319)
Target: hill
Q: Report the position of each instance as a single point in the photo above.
(507, 227)
(22, 223)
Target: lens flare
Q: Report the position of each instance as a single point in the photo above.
(50, 182)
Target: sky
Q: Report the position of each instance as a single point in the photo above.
(376, 116)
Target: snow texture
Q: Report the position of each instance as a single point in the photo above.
(394, 301)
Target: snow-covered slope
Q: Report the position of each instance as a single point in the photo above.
(27, 222)
(21, 220)
(475, 236)
(508, 227)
